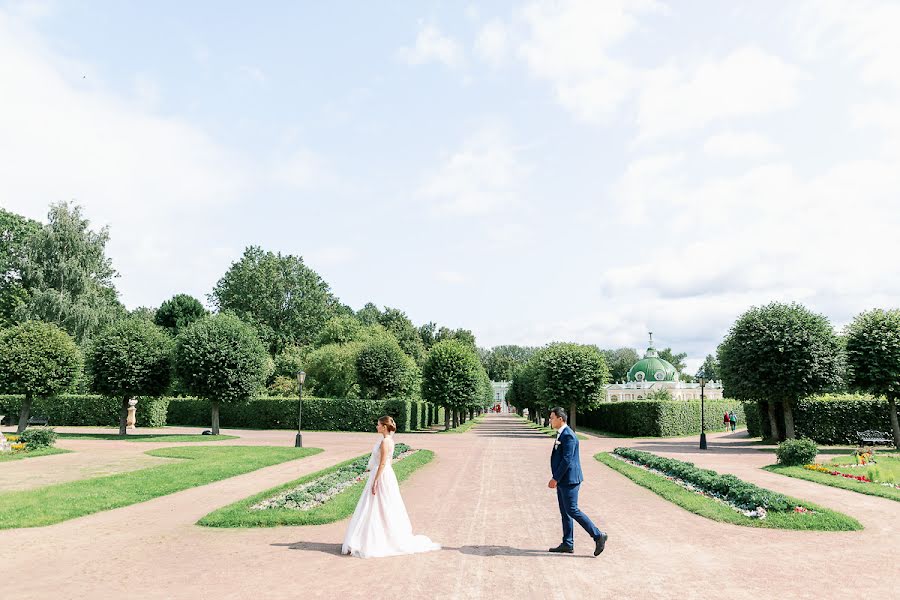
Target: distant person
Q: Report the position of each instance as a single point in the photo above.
(726, 420)
(733, 418)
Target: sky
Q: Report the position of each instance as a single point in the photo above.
(580, 171)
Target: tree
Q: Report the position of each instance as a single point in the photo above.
(39, 360)
(385, 371)
(572, 375)
(676, 360)
(342, 330)
(619, 362)
(15, 234)
(144, 313)
(331, 370)
(500, 362)
(220, 358)
(710, 368)
(130, 358)
(178, 312)
(68, 276)
(285, 300)
(779, 353)
(873, 357)
(399, 325)
(452, 378)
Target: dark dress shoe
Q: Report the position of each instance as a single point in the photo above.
(563, 548)
(600, 543)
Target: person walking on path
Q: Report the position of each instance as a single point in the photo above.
(565, 465)
(733, 418)
(726, 420)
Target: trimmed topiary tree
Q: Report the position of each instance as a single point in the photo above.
(452, 378)
(130, 358)
(39, 360)
(779, 353)
(873, 357)
(384, 370)
(331, 371)
(572, 376)
(220, 359)
(178, 312)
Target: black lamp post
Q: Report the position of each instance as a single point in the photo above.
(702, 376)
(301, 377)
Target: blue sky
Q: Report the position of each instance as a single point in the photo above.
(536, 171)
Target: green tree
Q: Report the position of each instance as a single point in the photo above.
(143, 313)
(873, 357)
(285, 300)
(779, 353)
(369, 314)
(342, 330)
(399, 325)
(572, 375)
(676, 360)
(39, 360)
(500, 362)
(331, 370)
(710, 368)
(68, 276)
(452, 378)
(619, 362)
(384, 370)
(15, 234)
(178, 312)
(220, 358)
(130, 358)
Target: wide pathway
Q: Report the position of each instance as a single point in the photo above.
(485, 498)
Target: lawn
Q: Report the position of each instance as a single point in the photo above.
(146, 437)
(335, 509)
(823, 519)
(200, 465)
(465, 426)
(887, 466)
(9, 456)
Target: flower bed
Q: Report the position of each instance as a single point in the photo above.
(320, 490)
(746, 498)
(863, 478)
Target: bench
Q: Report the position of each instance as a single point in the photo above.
(871, 437)
(39, 420)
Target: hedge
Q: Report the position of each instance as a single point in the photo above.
(658, 418)
(86, 409)
(827, 419)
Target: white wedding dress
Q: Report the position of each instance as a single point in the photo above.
(380, 525)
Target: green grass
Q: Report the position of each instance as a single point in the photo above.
(465, 426)
(823, 520)
(887, 467)
(335, 509)
(9, 456)
(200, 465)
(146, 437)
(548, 430)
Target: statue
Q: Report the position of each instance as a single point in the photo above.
(131, 419)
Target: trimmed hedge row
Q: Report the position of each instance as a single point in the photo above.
(745, 495)
(658, 418)
(86, 410)
(830, 419)
(327, 414)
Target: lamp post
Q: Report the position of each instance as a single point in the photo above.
(702, 376)
(301, 377)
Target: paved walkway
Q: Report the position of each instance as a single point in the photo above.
(485, 498)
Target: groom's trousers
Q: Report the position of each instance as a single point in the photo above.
(567, 495)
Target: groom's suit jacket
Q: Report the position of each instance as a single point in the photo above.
(564, 461)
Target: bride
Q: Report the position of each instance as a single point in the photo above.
(380, 525)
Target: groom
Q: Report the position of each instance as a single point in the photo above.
(567, 478)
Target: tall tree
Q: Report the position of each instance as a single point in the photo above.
(501, 362)
(285, 300)
(68, 276)
(15, 233)
(620, 362)
(453, 377)
(710, 368)
(573, 376)
(398, 324)
(677, 360)
(873, 357)
(178, 312)
(780, 353)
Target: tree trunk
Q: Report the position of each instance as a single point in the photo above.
(215, 417)
(471, 414)
(24, 413)
(773, 421)
(894, 424)
(123, 417)
(455, 418)
(446, 419)
(572, 416)
(788, 420)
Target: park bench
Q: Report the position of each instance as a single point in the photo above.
(871, 437)
(40, 420)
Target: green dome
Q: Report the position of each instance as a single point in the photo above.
(652, 368)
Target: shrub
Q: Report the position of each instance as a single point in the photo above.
(659, 418)
(331, 371)
(80, 410)
(384, 370)
(38, 437)
(831, 418)
(796, 452)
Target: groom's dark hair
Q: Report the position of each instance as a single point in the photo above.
(561, 413)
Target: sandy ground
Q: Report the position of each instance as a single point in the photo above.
(484, 497)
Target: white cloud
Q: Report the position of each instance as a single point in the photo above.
(731, 144)
(432, 45)
(493, 43)
(484, 175)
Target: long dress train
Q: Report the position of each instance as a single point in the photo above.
(380, 525)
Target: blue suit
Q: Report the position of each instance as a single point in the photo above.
(566, 467)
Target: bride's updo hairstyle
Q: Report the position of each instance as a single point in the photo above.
(388, 422)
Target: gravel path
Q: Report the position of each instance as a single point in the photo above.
(484, 497)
